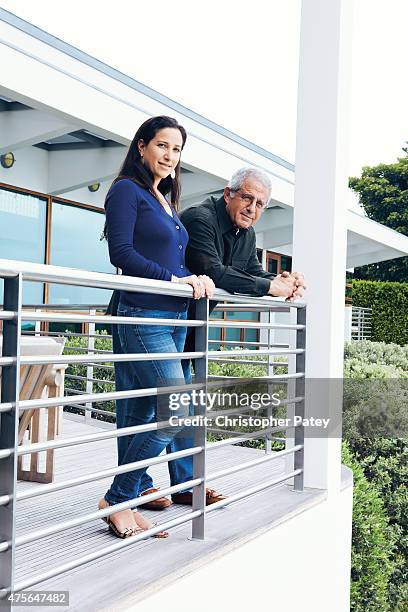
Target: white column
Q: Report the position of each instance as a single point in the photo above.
(319, 233)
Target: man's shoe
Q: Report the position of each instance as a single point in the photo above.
(161, 503)
(186, 498)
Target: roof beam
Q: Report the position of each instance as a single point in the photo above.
(19, 130)
(196, 187)
(69, 170)
(277, 237)
(382, 254)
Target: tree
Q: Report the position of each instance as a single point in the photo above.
(383, 193)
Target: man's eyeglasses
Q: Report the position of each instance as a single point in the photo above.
(249, 199)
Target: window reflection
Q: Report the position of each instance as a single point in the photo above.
(22, 235)
(75, 243)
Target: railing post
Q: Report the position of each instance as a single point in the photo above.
(300, 392)
(291, 393)
(10, 389)
(200, 431)
(267, 335)
(37, 324)
(90, 368)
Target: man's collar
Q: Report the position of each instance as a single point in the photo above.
(224, 219)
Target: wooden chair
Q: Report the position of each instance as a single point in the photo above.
(39, 424)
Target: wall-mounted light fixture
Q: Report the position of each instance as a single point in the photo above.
(7, 160)
(94, 187)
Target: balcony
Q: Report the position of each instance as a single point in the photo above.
(52, 537)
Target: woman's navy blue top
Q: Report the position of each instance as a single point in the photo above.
(145, 241)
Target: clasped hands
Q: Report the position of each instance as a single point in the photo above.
(202, 285)
(289, 285)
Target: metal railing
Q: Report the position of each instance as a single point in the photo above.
(361, 322)
(12, 406)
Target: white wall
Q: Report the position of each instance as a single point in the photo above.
(30, 170)
(302, 564)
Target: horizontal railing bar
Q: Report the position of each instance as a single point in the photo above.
(66, 334)
(264, 485)
(262, 362)
(115, 357)
(6, 407)
(116, 433)
(84, 378)
(250, 361)
(270, 378)
(83, 278)
(99, 411)
(74, 391)
(78, 318)
(56, 571)
(121, 469)
(95, 437)
(86, 408)
(5, 499)
(80, 307)
(6, 361)
(99, 514)
(223, 432)
(214, 381)
(79, 406)
(97, 365)
(253, 463)
(7, 315)
(50, 402)
(235, 342)
(83, 349)
(249, 353)
(253, 307)
(251, 325)
(279, 344)
(5, 453)
(256, 434)
(118, 357)
(243, 409)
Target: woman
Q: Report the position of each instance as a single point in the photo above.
(147, 239)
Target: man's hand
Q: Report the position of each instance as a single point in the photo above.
(299, 284)
(288, 285)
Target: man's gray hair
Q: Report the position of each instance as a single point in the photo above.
(244, 173)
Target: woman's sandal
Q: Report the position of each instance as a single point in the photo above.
(159, 534)
(128, 531)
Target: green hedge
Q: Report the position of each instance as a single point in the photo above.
(373, 544)
(389, 302)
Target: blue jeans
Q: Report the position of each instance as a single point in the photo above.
(143, 410)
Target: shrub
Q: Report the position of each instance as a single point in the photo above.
(73, 346)
(389, 303)
(384, 463)
(382, 457)
(378, 353)
(371, 564)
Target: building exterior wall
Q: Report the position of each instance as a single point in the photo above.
(301, 564)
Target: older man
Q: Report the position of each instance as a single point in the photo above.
(222, 245)
(222, 241)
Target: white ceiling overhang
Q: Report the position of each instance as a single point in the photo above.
(67, 92)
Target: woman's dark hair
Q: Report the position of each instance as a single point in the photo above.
(133, 169)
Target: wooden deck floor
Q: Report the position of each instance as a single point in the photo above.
(134, 571)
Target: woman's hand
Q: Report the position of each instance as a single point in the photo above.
(202, 285)
(208, 284)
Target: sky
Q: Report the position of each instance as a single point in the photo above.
(236, 62)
